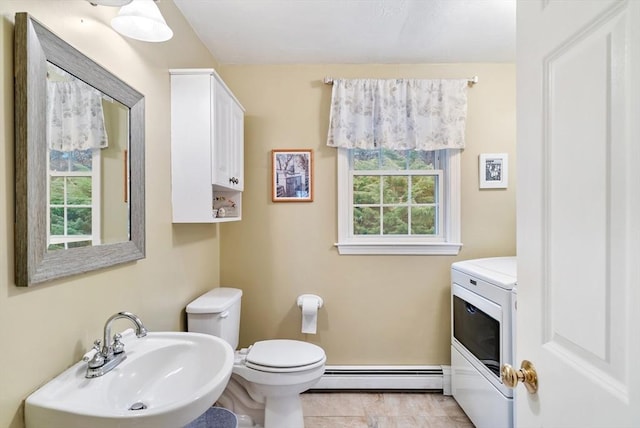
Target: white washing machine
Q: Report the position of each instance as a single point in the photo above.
(483, 303)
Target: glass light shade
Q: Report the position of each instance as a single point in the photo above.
(142, 20)
(112, 3)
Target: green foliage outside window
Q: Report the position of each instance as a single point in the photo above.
(77, 206)
(77, 160)
(366, 189)
(70, 196)
(394, 204)
(392, 160)
(395, 221)
(366, 221)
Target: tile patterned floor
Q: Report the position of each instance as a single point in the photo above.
(382, 410)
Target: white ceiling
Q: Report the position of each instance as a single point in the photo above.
(354, 31)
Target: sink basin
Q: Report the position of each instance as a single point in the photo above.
(167, 380)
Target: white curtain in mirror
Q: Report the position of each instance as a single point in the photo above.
(398, 114)
(75, 119)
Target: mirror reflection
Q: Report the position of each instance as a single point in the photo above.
(79, 161)
(87, 181)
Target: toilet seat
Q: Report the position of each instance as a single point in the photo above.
(283, 355)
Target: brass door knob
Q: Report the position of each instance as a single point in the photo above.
(527, 375)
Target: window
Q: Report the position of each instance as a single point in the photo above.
(398, 201)
(74, 192)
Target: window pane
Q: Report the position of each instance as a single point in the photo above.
(392, 160)
(58, 161)
(81, 160)
(56, 190)
(366, 221)
(79, 244)
(77, 160)
(57, 221)
(366, 189)
(79, 221)
(423, 221)
(395, 189)
(423, 189)
(416, 201)
(395, 160)
(79, 190)
(420, 160)
(365, 159)
(395, 221)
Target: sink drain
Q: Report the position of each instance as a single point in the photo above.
(139, 405)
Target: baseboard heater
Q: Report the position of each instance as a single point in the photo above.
(383, 378)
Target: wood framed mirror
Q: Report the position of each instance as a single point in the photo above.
(45, 248)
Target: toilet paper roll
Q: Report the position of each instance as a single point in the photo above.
(309, 314)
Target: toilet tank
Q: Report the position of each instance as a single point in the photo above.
(216, 312)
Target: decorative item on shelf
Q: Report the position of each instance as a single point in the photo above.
(292, 175)
(494, 169)
(224, 202)
(225, 207)
(231, 212)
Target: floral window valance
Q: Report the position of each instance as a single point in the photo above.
(398, 114)
(75, 118)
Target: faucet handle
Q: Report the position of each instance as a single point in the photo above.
(118, 346)
(92, 352)
(98, 359)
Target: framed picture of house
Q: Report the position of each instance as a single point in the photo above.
(292, 175)
(494, 168)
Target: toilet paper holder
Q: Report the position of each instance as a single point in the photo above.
(309, 304)
(302, 297)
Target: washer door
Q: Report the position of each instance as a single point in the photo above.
(478, 331)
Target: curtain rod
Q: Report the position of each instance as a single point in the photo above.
(471, 81)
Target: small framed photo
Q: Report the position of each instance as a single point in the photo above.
(292, 175)
(494, 168)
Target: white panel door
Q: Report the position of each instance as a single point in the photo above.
(578, 90)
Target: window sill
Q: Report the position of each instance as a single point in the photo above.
(396, 248)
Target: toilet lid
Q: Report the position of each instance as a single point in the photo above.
(281, 354)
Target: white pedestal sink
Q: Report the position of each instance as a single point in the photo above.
(167, 380)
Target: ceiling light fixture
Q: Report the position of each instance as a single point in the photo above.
(112, 3)
(142, 20)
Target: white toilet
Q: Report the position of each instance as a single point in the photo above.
(268, 377)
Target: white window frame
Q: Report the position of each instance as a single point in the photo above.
(96, 197)
(447, 242)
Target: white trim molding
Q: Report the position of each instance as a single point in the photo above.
(422, 248)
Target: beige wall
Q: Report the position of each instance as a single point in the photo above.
(114, 219)
(45, 329)
(378, 309)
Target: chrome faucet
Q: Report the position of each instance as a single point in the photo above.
(112, 353)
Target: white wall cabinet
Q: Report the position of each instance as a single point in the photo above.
(207, 148)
